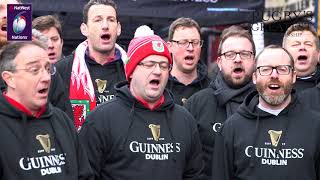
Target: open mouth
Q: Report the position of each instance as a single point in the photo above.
(106, 37)
(190, 58)
(4, 27)
(274, 86)
(43, 91)
(302, 58)
(51, 54)
(155, 82)
(238, 70)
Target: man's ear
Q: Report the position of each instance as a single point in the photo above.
(8, 78)
(294, 76)
(254, 78)
(169, 44)
(119, 29)
(84, 29)
(219, 61)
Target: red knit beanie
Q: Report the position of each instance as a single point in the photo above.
(142, 45)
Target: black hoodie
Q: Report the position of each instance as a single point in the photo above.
(45, 148)
(303, 83)
(254, 144)
(182, 92)
(211, 107)
(311, 97)
(113, 72)
(121, 145)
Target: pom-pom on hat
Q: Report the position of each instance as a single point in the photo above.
(143, 44)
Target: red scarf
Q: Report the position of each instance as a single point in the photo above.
(82, 96)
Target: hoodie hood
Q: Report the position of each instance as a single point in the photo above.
(201, 79)
(182, 92)
(9, 110)
(249, 109)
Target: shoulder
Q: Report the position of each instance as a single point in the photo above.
(204, 94)
(64, 63)
(182, 115)
(108, 111)
(203, 98)
(62, 118)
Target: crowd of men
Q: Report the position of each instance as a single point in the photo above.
(152, 112)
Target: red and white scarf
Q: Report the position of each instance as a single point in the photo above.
(82, 96)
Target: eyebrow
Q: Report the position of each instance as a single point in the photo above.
(101, 16)
(33, 62)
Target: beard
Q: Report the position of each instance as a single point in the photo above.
(236, 83)
(274, 99)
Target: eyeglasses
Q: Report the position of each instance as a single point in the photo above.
(184, 43)
(281, 70)
(231, 55)
(35, 70)
(165, 66)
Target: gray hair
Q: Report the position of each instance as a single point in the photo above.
(40, 37)
(10, 52)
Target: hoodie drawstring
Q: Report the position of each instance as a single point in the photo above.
(255, 141)
(120, 72)
(59, 143)
(168, 116)
(128, 129)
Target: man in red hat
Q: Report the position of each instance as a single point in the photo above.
(142, 134)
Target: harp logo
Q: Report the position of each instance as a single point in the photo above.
(155, 130)
(101, 84)
(45, 142)
(275, 137)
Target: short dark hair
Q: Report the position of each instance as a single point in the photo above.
(42, 23)
(10, 51)
(98, 2)
(302, 26)
(182, 22)
(235, 31)
(273, 46)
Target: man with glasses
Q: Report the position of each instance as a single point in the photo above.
(188, 75)
(38, 140)
(213, 105)
(57, 95)
(142, 134)
(272, 135)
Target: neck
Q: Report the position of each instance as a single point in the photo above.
(17, 103)
(284, 104)
(307, 73)
(184, 78)
(102, 58)
(147, 103)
